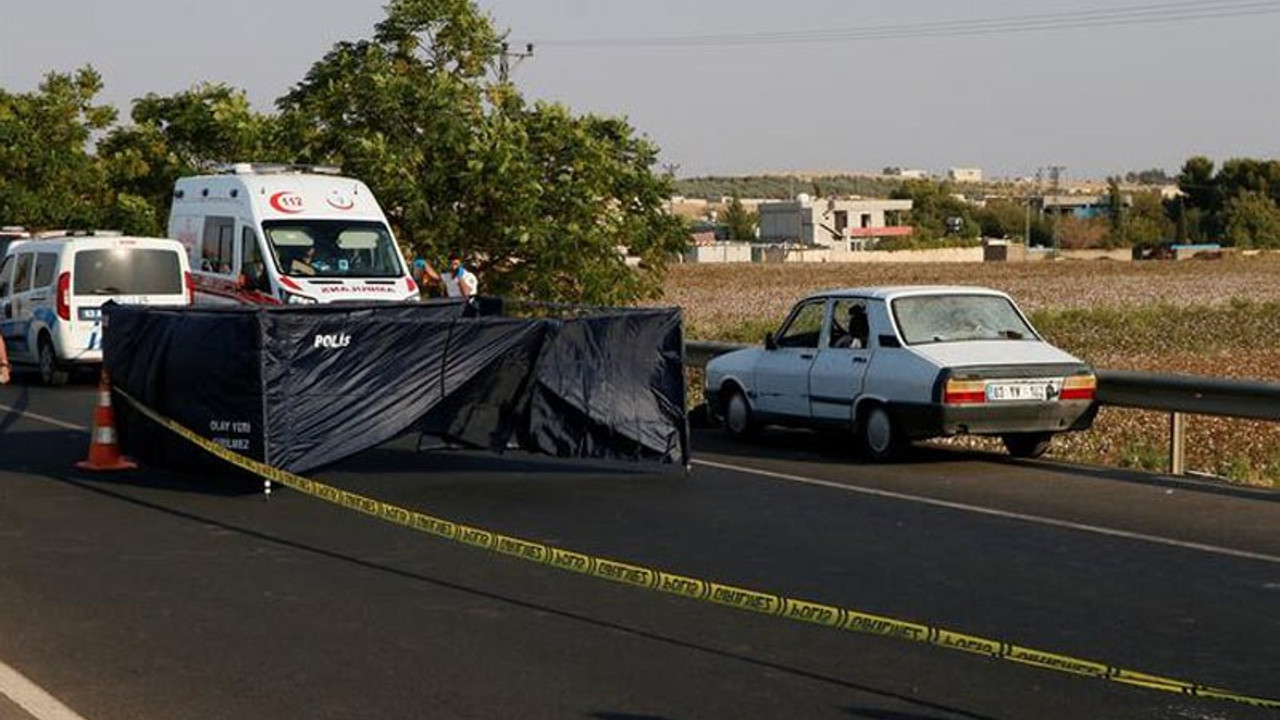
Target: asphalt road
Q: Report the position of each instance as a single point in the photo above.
(157, 594)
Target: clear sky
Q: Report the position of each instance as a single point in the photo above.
(747, 86)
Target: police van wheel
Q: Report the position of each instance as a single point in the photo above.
(50, 373)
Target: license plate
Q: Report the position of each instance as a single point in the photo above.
(91, 314)
(1039, 390)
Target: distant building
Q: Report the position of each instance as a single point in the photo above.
(965, 175)
(1083, 207)
(837, 224)
(906, 173)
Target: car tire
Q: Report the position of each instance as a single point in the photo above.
(50, 372)
(878, 437)
(1027, 445)
(738, 420)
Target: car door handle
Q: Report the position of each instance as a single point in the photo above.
(807, 356)
(859, 359)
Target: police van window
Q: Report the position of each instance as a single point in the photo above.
(6, 274)
(46, 263)
(138, 271)
(22, 274)
(218, 246)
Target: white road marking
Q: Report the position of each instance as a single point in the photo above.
(31, 698)
(1039, 519)
(44, 419)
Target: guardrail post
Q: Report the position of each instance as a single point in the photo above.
(1177, 438)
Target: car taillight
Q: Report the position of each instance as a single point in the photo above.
(64, 296)
(960, 392)
(411, 285)
(1079, 387)
(189, 281)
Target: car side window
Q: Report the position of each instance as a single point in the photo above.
(805, 326)
(849, 325)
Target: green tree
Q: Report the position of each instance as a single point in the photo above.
(182, 134)
(934, 206)
(1147, 221)
(1002, 219)
(1115, 214)
(541, 201)
(1253, 221)
(48, 179)
(740, 222)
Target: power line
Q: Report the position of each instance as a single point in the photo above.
(1110, 17)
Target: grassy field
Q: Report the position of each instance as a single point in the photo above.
(1209, 317)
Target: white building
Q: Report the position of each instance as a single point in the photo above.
(837, 224)
(965, 175)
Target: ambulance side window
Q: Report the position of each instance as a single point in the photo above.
(219, 245)
(253, 272)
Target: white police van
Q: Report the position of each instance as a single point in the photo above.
(52, 290)
(286, 234)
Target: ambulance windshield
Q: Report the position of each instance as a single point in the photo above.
(333, 248)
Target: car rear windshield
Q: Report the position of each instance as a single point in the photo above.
(127, 271)
(956, 318)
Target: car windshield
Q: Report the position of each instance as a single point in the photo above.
(333, 248)
(954, 318)
(128, 271)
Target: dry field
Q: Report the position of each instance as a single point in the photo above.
(1208, 317)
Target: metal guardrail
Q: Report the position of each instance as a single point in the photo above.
(1178, 395)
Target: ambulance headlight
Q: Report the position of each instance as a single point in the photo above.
(291, 299)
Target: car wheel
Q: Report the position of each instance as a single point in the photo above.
(50, 373)
(878, 437)
(1027, 445)
(737, 415)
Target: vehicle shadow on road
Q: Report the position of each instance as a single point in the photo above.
(836, 449)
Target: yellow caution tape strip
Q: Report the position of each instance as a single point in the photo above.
(703, 590)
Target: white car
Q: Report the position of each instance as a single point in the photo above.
(52, 291)
(896, 364)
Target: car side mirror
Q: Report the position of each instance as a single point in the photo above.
(890, 341)
(769, 342)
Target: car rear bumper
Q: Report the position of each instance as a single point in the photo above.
(919, 421)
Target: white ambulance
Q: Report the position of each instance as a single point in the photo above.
(52, 290)
(272, 234)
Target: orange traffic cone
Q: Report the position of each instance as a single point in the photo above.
(104, 453)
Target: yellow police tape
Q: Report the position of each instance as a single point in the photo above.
(698, 589)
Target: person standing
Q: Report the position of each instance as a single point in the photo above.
(4, 362)
(458, 281)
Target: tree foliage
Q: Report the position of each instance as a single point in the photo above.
(539, 200)
(47, 178)
(181, 134)
(936, 208)
(740, 222)
(1253, 221)
(1230, 204)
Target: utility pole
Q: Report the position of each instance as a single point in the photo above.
(1056, 175)
(505, 58)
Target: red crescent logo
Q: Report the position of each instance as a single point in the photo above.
(287, 201)
(340, 202)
